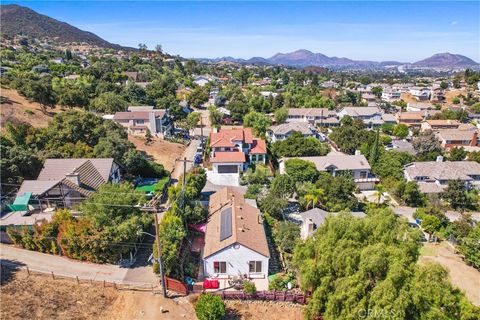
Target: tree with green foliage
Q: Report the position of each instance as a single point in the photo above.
(287, 234)
(456, 195)
(281, 115)
(374, 152)
(457, 154)
(198, 97)
(431, 225)
(297, 145)
(377, 91)
(172, 232)
(301, 170)
(427, 146)
(238, 109)
(355, 266)
(273, 205)
(474, 156)
(215, 117)
(350, 138)
(209, 307)
(259, 122)
(434, 297)
(258, 174)
(282, 186)
(41, 92)
(470, 247)
(109, 102)
(400, 131)
(411, 195)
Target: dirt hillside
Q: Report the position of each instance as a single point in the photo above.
(15, 108)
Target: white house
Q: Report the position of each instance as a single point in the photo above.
(314, 218)
(317, 116)
(334, 164)
(420, 93)
(391, 95)
(201, 80)
(235, 241)
(283, 131)
(372, 117)
(144, 118)
(419, 106)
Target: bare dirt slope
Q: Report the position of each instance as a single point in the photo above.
(162, 151)
(41, 297)
(38, 296)
(464, 277)
(15, 108)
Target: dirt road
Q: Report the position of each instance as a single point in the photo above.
(464, 277)
(71, 268)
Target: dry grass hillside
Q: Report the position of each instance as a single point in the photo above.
(15, 108)
(38, 296)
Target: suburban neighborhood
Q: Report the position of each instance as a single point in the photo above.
(139, 184)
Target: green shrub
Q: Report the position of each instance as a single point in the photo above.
(209, 307)
(249, 287)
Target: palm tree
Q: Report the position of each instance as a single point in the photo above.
(380, 191)
(314, 197)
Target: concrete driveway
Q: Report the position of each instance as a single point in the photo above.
(224, 179)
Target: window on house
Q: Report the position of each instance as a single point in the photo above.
(260, 157)
(140, 121)
(219, 267)
(255, 266)
(363, 174)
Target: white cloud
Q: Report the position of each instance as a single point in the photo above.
(454, 23)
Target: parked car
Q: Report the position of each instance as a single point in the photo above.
(197, 159)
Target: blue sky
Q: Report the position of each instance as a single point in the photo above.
(404, 31)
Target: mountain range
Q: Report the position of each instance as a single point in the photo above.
(304, 58)
(22, 21)
(18, 20)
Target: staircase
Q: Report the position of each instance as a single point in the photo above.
(275, 264)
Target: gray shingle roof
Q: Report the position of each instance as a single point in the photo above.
(285, 128)
(57, 169)
(448, 170)
(341, 162)
(362, 111)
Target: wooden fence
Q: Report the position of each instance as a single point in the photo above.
(175, 285)
(273, 295)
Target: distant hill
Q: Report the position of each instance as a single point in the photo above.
(305, 58)
(446, 60)
(18, 20)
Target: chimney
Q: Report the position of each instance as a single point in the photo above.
(358, 152)
(440, 159)
(74, 177)
(474, 139)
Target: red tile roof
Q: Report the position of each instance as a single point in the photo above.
(222, 137)
(258, 147)
(222, 157)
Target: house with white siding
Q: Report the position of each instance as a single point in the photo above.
(283, 131)
(357, 165)
(235, 242)
(316, 116)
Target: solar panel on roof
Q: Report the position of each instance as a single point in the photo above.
(225, 223)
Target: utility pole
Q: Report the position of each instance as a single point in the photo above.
(160, 261)
(184, 179)
(201, 127)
